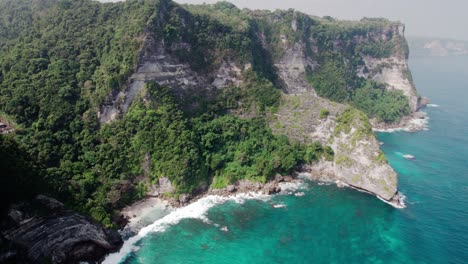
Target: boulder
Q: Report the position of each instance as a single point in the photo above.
(288, 178)
(184, 198)
(279, 178)
(420, 115)
(231, 188)
(46, 230)
(163, 186)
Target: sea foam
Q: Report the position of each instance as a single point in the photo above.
(196, 210)
(291, 187)
(413, 125)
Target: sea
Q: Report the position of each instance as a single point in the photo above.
(320, 223)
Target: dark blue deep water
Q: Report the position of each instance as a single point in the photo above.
(332, 225)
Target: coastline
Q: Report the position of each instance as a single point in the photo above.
(154, 210)
(157, 205)
(417, 121)
(141, 213)
(138, 214)
(396, 201)
(196, 208)
(169, 211)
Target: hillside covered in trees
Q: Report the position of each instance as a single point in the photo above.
(62, 60)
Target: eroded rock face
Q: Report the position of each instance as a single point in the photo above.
(157, 63)
(45, 231)
(292, 70)
(164, 186)
(395, 73)
(358, 161)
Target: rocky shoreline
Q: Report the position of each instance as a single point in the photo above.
(132, 213)
(415, 122)
(242, 186)
(315, 174)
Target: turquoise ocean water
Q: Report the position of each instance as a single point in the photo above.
(325, 224)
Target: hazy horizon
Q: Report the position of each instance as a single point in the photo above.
(423, 18)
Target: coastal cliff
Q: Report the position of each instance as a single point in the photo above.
(111, 100)
(292, 43)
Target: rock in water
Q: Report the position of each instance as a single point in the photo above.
(46, 231)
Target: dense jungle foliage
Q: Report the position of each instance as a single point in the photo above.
(61, 59)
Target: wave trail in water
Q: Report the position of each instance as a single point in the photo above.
(196, 210)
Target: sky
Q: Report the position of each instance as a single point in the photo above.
(429, 18)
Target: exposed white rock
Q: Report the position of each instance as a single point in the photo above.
(228, 74)
(163, 186)
(157, 64)
(291, 69)
(357, 162)
(391, 71)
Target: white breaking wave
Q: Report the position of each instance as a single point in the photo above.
(401, 202)
(413, 125)
(402, 199)
(291, 187)
(196, 210)
(433, 105)
(279, 206)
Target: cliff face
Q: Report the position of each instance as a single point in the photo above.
(394, 72)
(297, 45)
(358, 161)
(103, 134)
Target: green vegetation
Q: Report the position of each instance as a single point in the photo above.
(353, 118)
(262, 92)
(20, 178)
(223, 12)
(379, 49)
(324, 113)
(386, 105)
(60, 61)
(380, 158)
(330, 82)
(371, 97)
(342, 160)
(79, 52)
(340, 57)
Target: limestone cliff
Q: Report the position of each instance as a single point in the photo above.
(358, 161)
(394, 72)
(287, 47)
